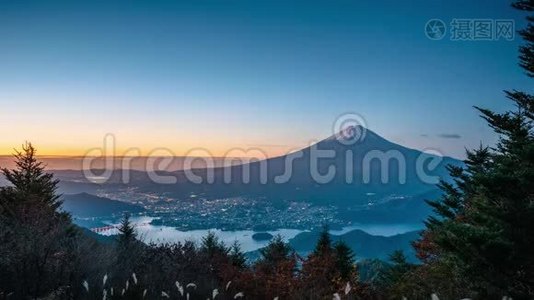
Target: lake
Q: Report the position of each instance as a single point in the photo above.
(161, 234)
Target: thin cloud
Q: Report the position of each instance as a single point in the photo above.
(449, 136)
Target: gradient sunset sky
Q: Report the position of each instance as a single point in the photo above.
(268, 74)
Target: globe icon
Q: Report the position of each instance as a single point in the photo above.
(435, 29)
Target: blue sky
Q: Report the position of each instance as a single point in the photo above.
(222, 74)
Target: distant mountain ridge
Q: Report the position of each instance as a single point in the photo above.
(363, 245)
(87, 205)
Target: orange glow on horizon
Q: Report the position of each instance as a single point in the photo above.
(215, 151)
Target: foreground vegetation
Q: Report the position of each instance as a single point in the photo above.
(478, 244)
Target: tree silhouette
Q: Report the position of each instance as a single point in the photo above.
(484, 223)
(275, 252)
(324, 243)
(37, 241)
(237, 257)
(345, 261)
(127, 234)
(30, 181)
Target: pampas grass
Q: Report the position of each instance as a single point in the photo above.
(108, 292)
(347, 288)
(86, 285)
(180, 288)
(193, 285)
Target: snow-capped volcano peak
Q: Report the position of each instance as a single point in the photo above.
(351, 134)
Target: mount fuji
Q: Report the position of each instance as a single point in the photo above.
(362, 166)
(370, 178)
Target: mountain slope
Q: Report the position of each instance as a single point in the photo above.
(363, 244)
(87, 205)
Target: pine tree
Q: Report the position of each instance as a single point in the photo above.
(275, 252)
(129, 251)
(324, 243)
(30, 181)
(320, 275)
(37, 242)
(397, 279)
(345, 261)
(127, 234)
(484, 226)
(237, 257)
(275, 270)
(526, 51)
(400, 265)
(213, 247)
(215, 256)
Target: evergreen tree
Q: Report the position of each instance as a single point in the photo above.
(216, 258)
(345, 261)
(484, 226)
(400, 265)
(213, 247)
(37, 243)
(275, 270)
(320, 276)
(237, 257)
(128, 251)
(275, 252)
(324, 243)
(526, 52)
(396, 279)
(30, 180)
(127, 234)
